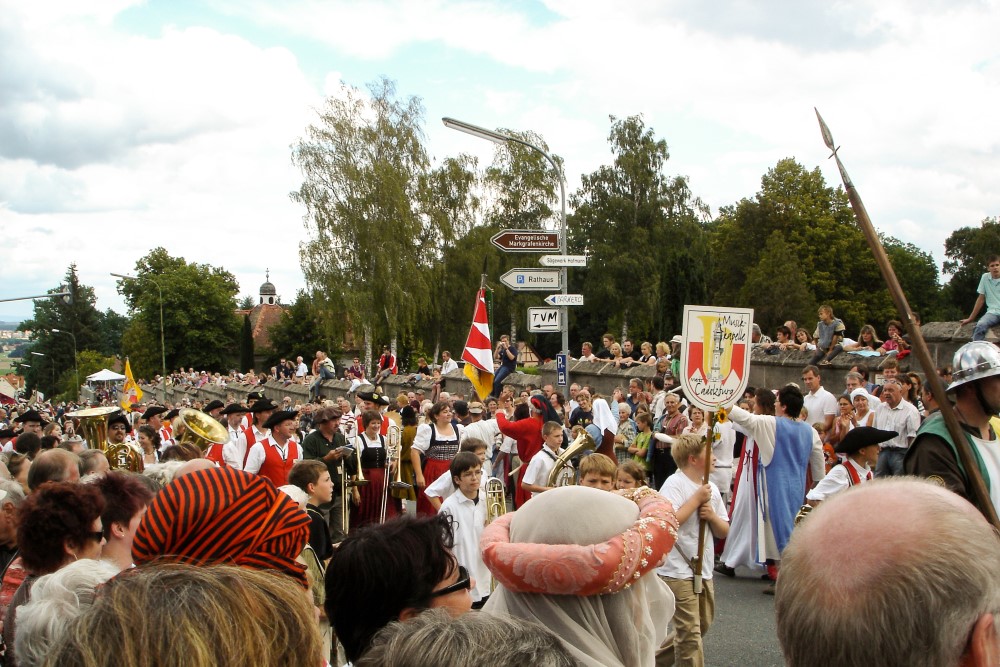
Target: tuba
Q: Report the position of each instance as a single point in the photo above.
(562, 472)
(202, 430)
(94, 425)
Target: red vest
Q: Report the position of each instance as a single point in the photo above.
(251, 438)
(274, 467)
(214, 453)
(383, 430)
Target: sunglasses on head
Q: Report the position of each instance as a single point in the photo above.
(464, 583)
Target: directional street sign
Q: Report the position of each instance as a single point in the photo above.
(563, 260)
(526, 240)
(564, 299)
(544, 319)
(530, 280)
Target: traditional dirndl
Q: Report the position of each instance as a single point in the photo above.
(370, 509)
(433, 468)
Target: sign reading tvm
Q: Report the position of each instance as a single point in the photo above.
(544, 319)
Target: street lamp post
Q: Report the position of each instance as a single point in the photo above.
(501, 138)
(76, 365)
(163, 345)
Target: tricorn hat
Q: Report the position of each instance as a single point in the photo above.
(153, 410)
(214, 404)
(861, 437)
(263, 405)
(373, 397)
(280, 416)
(31, 415)
(120, 418)
(235, 409)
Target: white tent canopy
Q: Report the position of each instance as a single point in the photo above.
(104, 375)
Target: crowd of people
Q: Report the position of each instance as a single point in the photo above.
(551, 529)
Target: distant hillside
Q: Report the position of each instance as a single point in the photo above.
(9, 326)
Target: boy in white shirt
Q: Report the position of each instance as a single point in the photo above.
(861, 445)
(536, 479)
(693, 612)
(467, 508)
(443, 486)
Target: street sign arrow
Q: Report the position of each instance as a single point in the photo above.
(564, 299)
(544, 319)
(563, 260)
(526, 240)
(528, 280)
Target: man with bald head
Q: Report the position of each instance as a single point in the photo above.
(915, 583)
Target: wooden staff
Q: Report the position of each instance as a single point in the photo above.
(917, 342)
(702, 524)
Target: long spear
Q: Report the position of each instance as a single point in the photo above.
(917, 342)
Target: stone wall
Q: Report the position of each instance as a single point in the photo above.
(943, 338)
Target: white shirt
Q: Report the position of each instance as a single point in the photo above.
(820, 404)
(990, 451)
(301, 370)
(762, 428)
(678, 489)
(904, 419)
(659, 404)
(448, 366)
(255, 459)
(443, 487)
(422, 440)
(837, 480)
(469, 521)
(233, 453)
(540, 468)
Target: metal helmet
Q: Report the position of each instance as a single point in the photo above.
(974, 361)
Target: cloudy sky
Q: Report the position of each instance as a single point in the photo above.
(126, 125)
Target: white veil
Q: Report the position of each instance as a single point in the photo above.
(621, 629)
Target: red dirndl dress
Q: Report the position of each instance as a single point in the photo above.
(438, 461)
(373, 466)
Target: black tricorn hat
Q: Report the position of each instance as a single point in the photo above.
(280, 416)
(31, 415)
(153, 410)
(263, 405)
(373, 397)
(235, 409)
(120, 418)
(861, 437)
(214, 404)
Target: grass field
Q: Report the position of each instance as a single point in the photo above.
(5, 363)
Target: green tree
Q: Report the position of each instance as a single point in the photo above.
(818, 226)
(776, 288)
(78, 315)
(918, 276)
(966, 250)
(303, 329)
(112, 328)
(619, 218)
(200, 326)
(247, 302)
(362, 164)
(246, 345)
(450, 199)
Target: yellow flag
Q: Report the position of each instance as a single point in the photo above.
(131, 393)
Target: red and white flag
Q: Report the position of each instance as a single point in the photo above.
(478, 354)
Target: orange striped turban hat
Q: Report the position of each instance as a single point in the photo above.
(224, 516)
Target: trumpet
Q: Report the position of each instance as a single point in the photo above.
(393, 446)
(563, 473)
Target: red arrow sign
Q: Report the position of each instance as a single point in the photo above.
(526, 240)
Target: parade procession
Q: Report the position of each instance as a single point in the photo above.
(397, 335)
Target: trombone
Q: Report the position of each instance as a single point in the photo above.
(345, 484)
(496, 506)
(393, 447)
